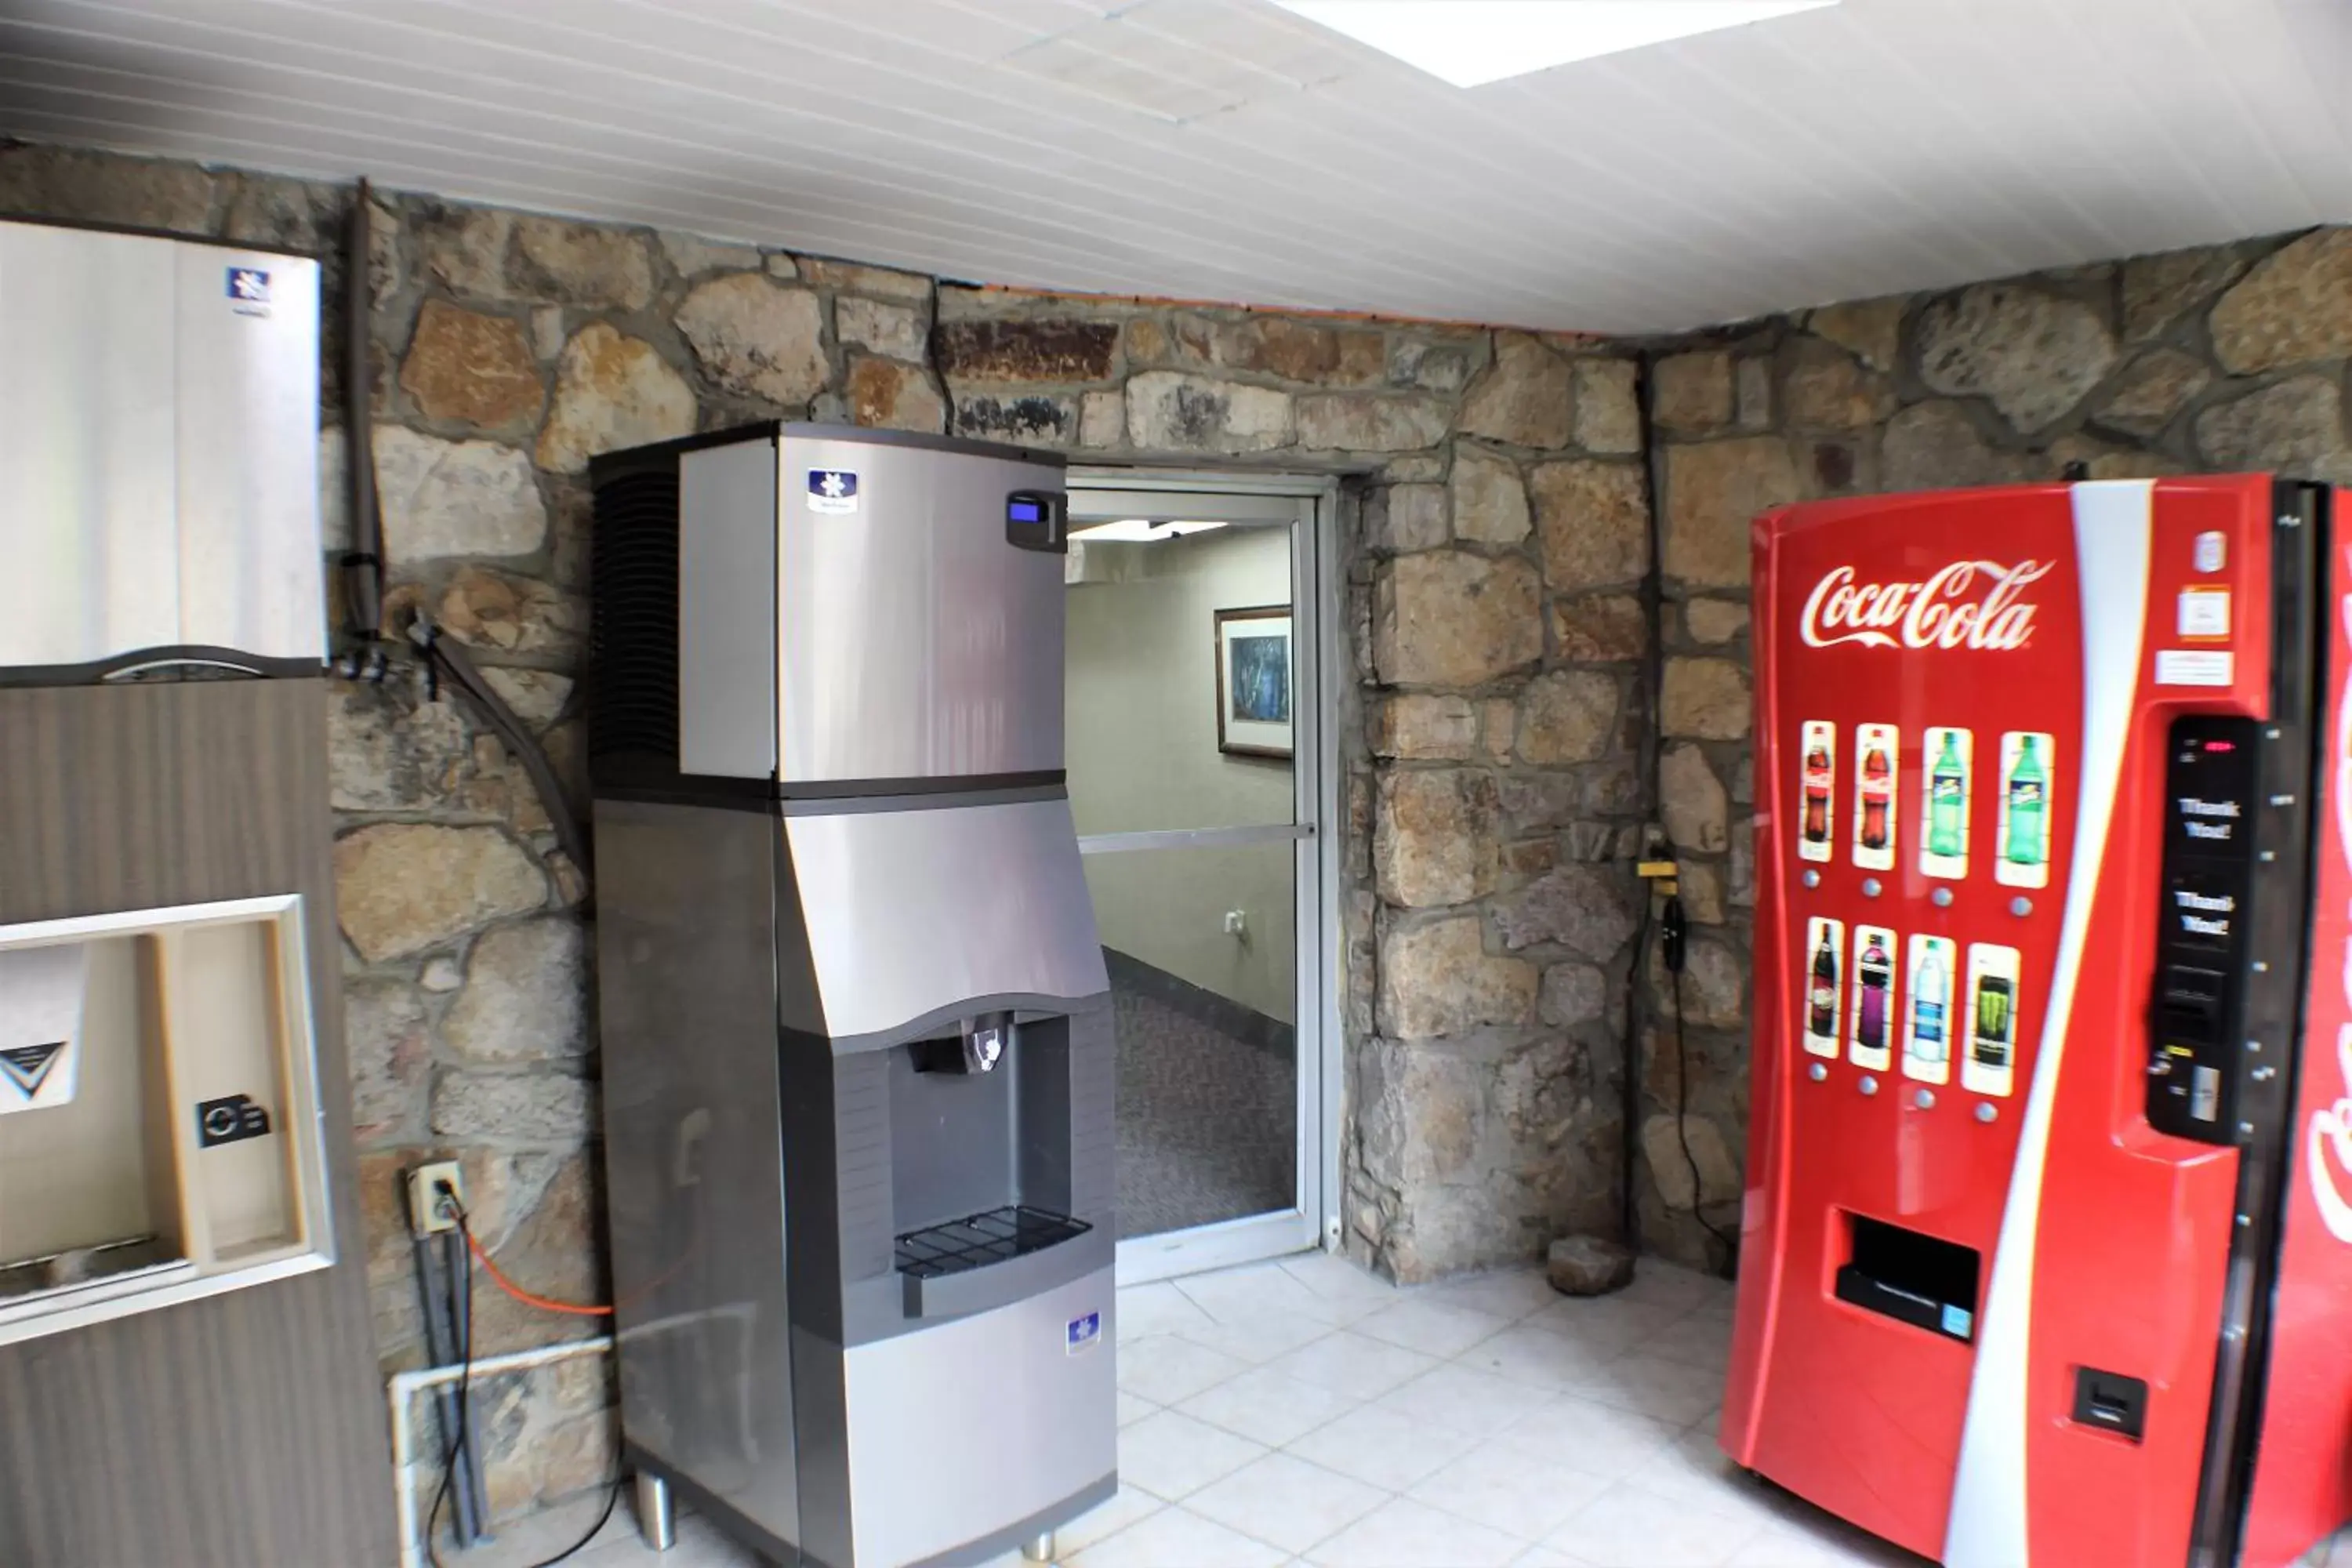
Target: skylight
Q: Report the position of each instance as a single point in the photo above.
(1471, 42)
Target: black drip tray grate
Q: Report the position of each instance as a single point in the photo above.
(978, 1240)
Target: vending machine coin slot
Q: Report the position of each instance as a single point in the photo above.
(2111, 1402)
(2189, 1002)
(2201, 943)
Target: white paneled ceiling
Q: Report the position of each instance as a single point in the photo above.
(1229, 150)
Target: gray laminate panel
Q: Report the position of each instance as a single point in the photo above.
(249, 1430)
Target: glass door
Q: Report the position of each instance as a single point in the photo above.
(1195, 750)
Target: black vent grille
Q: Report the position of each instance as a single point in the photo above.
(633, 631)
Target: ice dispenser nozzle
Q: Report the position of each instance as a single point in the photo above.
(984, 1040)
(977, 1046)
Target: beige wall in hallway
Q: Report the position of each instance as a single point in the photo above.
(1142, 748)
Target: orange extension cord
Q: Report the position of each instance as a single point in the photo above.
(570, 1309)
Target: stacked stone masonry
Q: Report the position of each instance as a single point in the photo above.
(2229, 358)
(1494, 542)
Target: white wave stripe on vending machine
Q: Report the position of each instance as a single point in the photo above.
(1876, 749)
(2327, 1136)
(1824, 959)
(1816, 789)
(1947, 766)
(1986, 1033)
(1877, 952)
(2021, 853)
(1928, 1018)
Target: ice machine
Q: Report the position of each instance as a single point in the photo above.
(857, 1065)
(2047, 1248)
(186, 1363)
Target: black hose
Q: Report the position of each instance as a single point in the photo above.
(448, 658)
(364, 562)
(441, 1343)
(1671, 932)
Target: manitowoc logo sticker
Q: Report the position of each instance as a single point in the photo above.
(1968, 604)
(2327, 1143)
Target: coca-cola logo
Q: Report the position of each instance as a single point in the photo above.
(1968, 604)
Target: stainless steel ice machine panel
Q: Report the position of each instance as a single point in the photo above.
(858, 1074)
(852, 606)
(912, 914)
(159, 439)
(915, 643)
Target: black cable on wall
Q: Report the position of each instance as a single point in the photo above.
(363, 563)
(1670, 929)
(444, 659)
(1637, 1009)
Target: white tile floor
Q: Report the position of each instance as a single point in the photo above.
(1304, 1413)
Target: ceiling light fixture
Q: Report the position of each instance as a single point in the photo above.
(1140, 530)
(1472, 42)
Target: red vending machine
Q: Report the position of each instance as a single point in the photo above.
(2047, 1250)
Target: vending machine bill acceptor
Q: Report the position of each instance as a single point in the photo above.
(2047, 1248)
(855, 1021)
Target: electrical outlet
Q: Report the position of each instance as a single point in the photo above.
(1237, 923)
(428, 1212)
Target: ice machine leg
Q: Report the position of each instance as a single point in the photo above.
(656, 1513)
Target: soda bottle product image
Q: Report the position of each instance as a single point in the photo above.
(1825, 941)
(2023, 860)
(1990, 1066)
(1873, 826)
(1874, 996)
(1945, 852)
(1877, 789)
(1816, 788)
(1928, 1006)
(1825, 999)
(1990, 1044)
(2025, 806)
(1927, 1051)
(1817, 795)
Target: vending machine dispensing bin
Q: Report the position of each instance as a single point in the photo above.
(856, 1031)
(2047, 1251)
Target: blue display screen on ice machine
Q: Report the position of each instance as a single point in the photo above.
(1034, 520)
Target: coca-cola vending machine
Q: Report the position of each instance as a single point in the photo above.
(2046, 1258)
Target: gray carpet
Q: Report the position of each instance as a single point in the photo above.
(1207, 1120)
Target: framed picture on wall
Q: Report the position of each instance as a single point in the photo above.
(1254, 681)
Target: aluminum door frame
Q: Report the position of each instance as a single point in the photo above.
(1309, 504)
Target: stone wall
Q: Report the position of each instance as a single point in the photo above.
(1489, 710)
(2223, 359)
(1492, 534)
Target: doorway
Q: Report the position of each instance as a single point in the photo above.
(1201, 777)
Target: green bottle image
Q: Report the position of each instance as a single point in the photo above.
(2027, 807)
(1947, 799)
